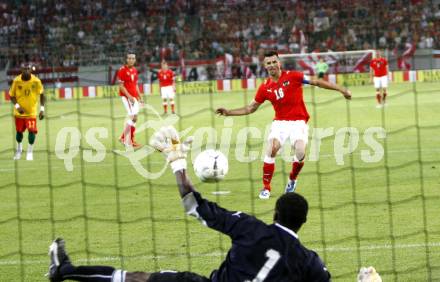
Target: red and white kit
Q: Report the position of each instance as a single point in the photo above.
(129, 77)
(286, 96)
(380, 67)
(166, 81)
(291, 116)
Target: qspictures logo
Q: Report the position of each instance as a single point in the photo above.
(346, 141)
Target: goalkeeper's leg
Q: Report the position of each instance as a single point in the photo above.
(61, 269)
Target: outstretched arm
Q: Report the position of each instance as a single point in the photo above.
(183, 183)
(249, 109)
(232, 223)
(328, 85)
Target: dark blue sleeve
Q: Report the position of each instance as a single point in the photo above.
(317, 270)
(236, 224)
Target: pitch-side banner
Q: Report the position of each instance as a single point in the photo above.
(353, 79)
(196, 87)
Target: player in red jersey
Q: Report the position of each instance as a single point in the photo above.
(379, 75)
(131, 98)
(284, 90)
(166, 83)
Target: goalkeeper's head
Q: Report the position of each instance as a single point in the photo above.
(291, 211)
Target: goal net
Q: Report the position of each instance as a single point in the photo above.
(381, 212)
(338, 62)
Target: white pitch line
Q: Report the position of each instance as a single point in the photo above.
(218, 254)
(221, 192)
(381, 247)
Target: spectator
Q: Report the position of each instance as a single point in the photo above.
(98, 29)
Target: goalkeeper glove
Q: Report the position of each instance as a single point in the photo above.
(167, 141)
(368, 275)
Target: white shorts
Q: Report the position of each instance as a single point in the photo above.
(132, 109)
(167, 92)
(380, 81)
(289, 129)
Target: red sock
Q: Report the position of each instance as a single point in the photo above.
(165, 108)
(132, 130)
(126, 132)
(296, 168)
(268, 170)
(378, 97)
(172, 107)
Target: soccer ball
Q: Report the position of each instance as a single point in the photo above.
(211, 166)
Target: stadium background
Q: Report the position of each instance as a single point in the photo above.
(383, 214)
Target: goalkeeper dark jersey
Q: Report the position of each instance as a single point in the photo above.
(259, 252)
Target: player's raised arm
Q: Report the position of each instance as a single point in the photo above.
(246, 110)
(328, 85)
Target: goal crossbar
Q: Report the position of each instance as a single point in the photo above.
(293, 55)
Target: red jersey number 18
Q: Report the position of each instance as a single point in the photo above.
(279, 93)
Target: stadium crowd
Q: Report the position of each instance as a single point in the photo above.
(81, 32)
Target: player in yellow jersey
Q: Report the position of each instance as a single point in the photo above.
(25, 91)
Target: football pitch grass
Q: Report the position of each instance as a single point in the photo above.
(385, 214)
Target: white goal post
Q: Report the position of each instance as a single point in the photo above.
(338, 62)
